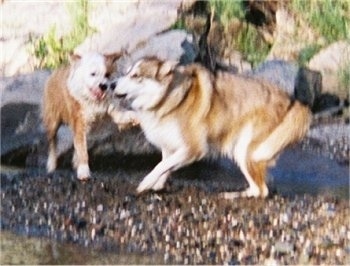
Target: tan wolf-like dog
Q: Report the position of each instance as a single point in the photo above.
(77, 95)
(189, 113)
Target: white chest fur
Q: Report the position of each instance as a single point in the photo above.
(165, 134)
(93, 111)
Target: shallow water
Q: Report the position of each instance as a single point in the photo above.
(302, 172)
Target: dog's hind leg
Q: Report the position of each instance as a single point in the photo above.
(240, 154)
(51, 131)
(258, 172)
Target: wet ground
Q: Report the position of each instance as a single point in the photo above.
(304, 221)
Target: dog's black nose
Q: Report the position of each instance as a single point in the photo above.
(102, 86)
(113, 85)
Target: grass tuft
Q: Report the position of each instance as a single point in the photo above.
(331, 18)
(52, 51)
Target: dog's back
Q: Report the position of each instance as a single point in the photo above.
(56, 97)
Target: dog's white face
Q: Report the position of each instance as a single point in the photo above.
(145, 84)
(88, 77)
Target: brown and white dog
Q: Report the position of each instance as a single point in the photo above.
(189, 113)
(77, 95)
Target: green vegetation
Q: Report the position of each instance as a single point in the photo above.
(52, 51)
(227, 10)
(344, 77)
(247, 39)
(331, 18)
(251, 44)
(307, 53)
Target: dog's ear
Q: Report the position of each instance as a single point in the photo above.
(112, 58)
(167, 67)
(74, 57)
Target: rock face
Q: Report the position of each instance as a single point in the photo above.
(118, 25)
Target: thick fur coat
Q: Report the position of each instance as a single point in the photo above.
(188, 113)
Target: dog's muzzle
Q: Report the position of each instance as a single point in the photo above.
(112, 86)
(103, 86)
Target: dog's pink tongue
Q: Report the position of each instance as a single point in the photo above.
(97, 93)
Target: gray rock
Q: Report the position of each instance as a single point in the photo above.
(330, 61)
(284, 247)
(300, 82)
(21, 128)
(176, 45)
(137, 25)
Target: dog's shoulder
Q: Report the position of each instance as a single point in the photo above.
(56, 84)
(59, 75)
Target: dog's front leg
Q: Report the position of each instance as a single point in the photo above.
(81, 157)
(123, 119)
(158, 176)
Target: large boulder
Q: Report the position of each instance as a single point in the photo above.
(176, 45)
(330, 62)
(301, 83)
(128, 30)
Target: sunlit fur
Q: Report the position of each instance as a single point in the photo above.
(189, 113)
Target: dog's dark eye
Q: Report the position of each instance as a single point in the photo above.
(134, 76)
(107, 75)
(93, 74)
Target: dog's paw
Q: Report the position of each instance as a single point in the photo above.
(142, 188)
(159, 185)
(146, 184)
(83, 172)
(129, 117)
(250, 192)
(111, 108)
(51, 165)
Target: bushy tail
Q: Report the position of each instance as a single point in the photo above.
(293, 128)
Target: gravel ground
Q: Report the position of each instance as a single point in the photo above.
(186, 224)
